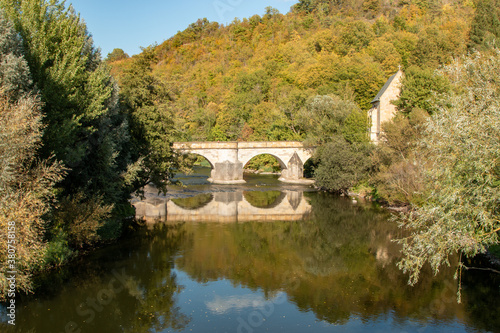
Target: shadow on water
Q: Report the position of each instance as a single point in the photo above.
(284, 260)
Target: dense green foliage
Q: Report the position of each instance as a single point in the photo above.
(338, 127)
(341, 165)
(420, 87)
(26, 182)
(396, 162)
(116, 55)
(84, 128)
(325, 117)
(485, 28)
(145, 100)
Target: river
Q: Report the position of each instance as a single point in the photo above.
(258, 257)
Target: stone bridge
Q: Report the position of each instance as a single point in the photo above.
(225, 207)
(227, 159)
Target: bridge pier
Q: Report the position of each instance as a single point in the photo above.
(227, 173)
(294, 170)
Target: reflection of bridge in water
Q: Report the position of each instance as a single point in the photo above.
(226, 207)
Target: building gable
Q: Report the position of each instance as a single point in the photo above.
(382, 108)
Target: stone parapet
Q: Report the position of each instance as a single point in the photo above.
(237, 145)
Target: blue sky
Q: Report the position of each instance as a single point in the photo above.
(130, 24)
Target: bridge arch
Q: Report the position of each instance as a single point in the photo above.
(205, 157)
(250, 157)
(309, 167)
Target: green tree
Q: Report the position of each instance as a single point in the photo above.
(15, 77)
(385, 54)
(485, 27)
(323, 117)
(398, 177)
(461, 143)
(341, 165)
(304, 6)
(361, 74)
(437, 46)
(421, 89)
(151, 120)
(355, 127)
(26, 182)
(117, 54)
(354, 36)
(84, 127)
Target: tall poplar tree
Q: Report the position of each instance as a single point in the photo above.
(84, 127)
(146, 101)
(26, 183)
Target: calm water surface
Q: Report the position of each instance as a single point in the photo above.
(262, 257)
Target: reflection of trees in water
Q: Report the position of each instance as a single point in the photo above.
(482, 288)
(193, 203)
(264, 199)
(258, 199)
(145, 303)
(328, 264)
(156, 291)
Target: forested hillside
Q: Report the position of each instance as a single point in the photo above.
(254, 79)
(310, 74)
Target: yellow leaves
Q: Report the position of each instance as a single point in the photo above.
(386, 54)
(311, 75)
(318, 70)
(323, 40)
(447, 9)
(411, 12)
